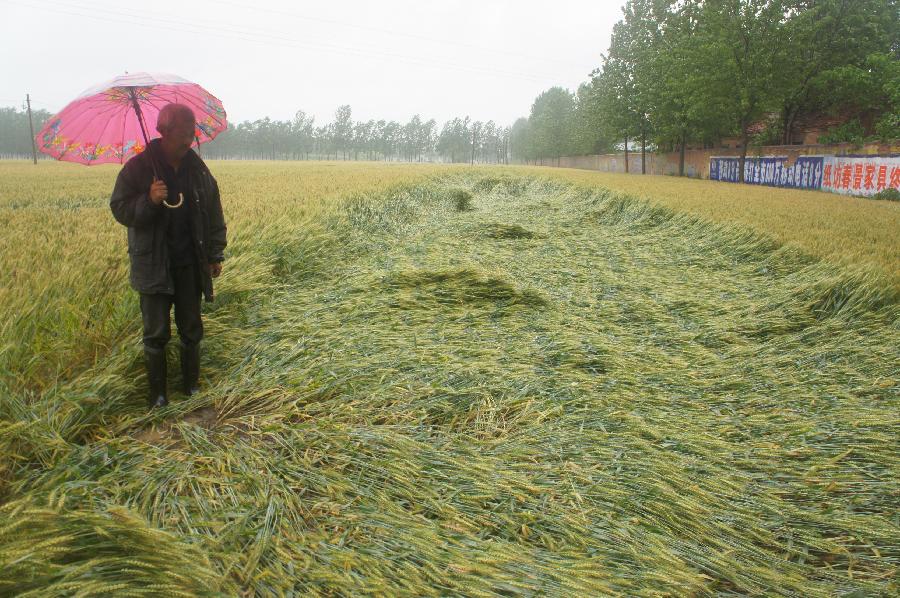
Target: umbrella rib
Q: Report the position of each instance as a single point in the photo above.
(100, 107)
(148, 101)
(102, 131)
(122, 140)
(194, 102)
(75, 137)
(89, 105)
(153, 95)
(203, 111)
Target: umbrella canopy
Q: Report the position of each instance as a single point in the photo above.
(108, 122)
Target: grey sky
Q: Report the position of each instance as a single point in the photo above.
(388, 59)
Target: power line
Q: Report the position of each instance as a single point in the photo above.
(20, 101)
(262, 37)
(403, 34)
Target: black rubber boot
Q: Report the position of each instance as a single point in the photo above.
(156, 377)
(190, 369)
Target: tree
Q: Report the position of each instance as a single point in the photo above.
(625, 79)
(15, 134)
(687, 96)
(342, 130)
(589, 136)
(303, 130)
(830, 42)
(551, 122)
(455, 140)
(872, 90)
(390, 139)
(361, 137)
(520, 145)
(747, 37)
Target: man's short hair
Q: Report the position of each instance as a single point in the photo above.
(172, 113)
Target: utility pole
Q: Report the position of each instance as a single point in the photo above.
(31, 124)
(474, 136)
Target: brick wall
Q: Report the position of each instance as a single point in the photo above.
(696, 162)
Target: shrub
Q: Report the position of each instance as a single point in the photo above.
(462, 199)
(889, 194)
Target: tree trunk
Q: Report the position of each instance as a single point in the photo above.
(745, 137)
(681, 156)
(790, 117)
(626, 154)
(643, 149)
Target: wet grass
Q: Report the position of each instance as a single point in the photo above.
(633, 401)
(496, 230)
(464, 286)
(462, 199)
(845, 230)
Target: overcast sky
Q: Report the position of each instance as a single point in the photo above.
(386, 59)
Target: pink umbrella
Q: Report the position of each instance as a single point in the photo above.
(108, 123)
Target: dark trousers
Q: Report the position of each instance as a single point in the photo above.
(155, 310)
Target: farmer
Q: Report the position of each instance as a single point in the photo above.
(170, 203)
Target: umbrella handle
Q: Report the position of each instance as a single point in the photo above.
(178, 205)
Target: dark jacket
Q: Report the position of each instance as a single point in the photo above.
(147, 223)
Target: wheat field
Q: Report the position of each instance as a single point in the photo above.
(428, 381)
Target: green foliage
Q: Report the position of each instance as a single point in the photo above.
(873, 88)
(520, 140)
(772, 133)
(849, 132)
(456, 140)
(15, 133)
(461, 199)
(343, 138)
(889, 194)
(886, 74)
(589, 135)
(551, 122)
(887, 128)
(696, 71)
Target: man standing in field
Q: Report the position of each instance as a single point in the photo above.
(170, 203)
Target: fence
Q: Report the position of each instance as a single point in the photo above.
(846, 169)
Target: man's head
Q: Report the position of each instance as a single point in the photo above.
(176, 124)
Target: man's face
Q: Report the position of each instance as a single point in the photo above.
(180, 135)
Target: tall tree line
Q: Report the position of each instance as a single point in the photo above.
(691, 72)
(15, 134)
(459, 140)
(418, 140)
